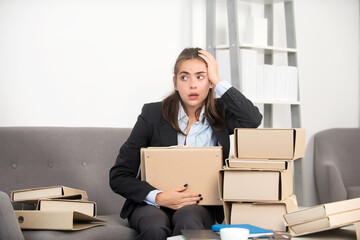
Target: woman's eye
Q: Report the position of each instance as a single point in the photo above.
(200, 77)
(184, 78)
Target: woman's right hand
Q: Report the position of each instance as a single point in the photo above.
(176, 198)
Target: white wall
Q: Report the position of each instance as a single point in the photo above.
(95, 62)
(87, 63)
(328, 44)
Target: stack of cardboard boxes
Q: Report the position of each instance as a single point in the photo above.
(56, 208)
(257, 185)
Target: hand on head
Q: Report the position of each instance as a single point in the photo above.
(212, 66)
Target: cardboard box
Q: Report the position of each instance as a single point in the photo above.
(266, 143)
(327, 223)
(256, 164)
(255, 185)
(267, 215)
(171, 167)
(321, 211)
(84, 207)
(32, 195)
(55, 220)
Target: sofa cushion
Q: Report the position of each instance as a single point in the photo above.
(115, 228)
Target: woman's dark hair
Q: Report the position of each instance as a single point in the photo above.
(170, 105)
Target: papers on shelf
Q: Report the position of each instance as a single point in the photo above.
(261, 82)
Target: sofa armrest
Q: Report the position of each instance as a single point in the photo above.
(9, 227)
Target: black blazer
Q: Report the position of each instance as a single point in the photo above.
(151, 130)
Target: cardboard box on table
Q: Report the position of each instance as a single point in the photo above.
(255, 185)
(268, 215)
(171, 167)
(269, 143)
(323, 217)
(326, 223)
(321, 211)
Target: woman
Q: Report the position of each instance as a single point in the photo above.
(189, 116)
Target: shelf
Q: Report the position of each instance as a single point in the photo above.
(235, 58)
(255, 101)
(265, 1)
(265, 49)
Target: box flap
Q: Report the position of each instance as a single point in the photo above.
(286, 183)
(227, 211)
(142, 164)
(299, 150)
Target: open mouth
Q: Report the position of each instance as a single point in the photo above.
(193, 96)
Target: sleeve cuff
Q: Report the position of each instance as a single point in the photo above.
(150, 198)
(222, 87)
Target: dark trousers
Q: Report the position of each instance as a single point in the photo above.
(159, 223)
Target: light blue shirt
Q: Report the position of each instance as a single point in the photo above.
(200, 134)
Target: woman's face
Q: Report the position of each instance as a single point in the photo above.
(192, 83)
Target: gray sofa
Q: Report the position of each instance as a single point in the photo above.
(74, 157)
(337, 164)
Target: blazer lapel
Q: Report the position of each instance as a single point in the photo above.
(168, 135)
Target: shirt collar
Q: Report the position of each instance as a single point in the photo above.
(182, 114)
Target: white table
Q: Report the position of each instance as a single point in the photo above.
(345, 233)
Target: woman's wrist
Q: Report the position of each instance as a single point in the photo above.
(222, 87)
(216, 81)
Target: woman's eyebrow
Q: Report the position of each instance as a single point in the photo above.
(185, 72)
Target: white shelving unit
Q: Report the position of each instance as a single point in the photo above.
(268, 51)
(263, 49)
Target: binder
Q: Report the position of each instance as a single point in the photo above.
(321, 211)
(56, 220)
(85, 207)
(32, 195)
(329, 222)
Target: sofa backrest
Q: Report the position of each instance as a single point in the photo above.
(70, 156)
